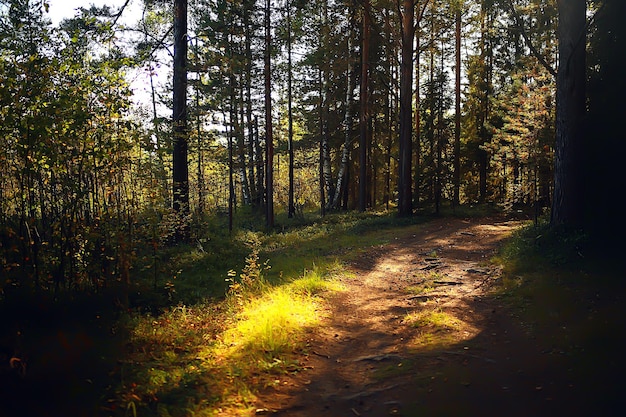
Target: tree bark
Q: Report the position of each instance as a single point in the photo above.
(486, 70)
(325, 146)
(457, 116)
(320, 74)
(260, 164)
(254, 192)
(568, 197)
(200, 166)
(291, 209)
(231, 182)
(405, 195)
(364, 114)
(348, 120)
(241, 149)
(180, 168)
(269, 139)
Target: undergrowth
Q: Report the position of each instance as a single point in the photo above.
(199, 354)
(215, 356)
(538, 245)
(203, 354)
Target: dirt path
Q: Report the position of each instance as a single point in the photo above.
(417, 333)
(372, 360)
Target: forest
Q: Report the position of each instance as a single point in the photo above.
(147, 158)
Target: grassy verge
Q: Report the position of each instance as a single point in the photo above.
(198, 338)
(211, 357)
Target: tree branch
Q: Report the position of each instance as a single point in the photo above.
(533, 50)
(420, 15)
(119, 13)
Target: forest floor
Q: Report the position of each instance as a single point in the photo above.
(427, 327)
(431, 320)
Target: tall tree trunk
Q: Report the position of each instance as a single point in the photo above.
(233, 122)
(431, 104)
(321, 109)
(231, 182)
(325, 146)
(291, 209)
(364, 113)
(321, 150)
(260, 163)
(488, 78)
(482, 114)
(457, 115)
(440, 133)
(241, 151)
(370, 159)
(180, 168)
(389, 103)
(200, 166)
(254, 191)
(269, 139)
(179, 158)
(405, 197)
(418, 144)
(347, 122)
(568, 202)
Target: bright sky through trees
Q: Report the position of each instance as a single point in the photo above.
(139, 80)
(62, 9)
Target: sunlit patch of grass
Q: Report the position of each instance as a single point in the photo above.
(438, 328)
(318, 280)
(338, 235)
(203, 359)
(269, 325)
(420, 289)
(436, 319)
(273, 322)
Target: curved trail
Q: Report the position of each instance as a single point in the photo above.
(371, 359)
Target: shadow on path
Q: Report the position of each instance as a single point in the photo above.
(372, 360)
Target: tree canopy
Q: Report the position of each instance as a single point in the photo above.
(338, 105)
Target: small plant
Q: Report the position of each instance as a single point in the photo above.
(250, 279)
(437, 319)
(437, 328)
(313, 282)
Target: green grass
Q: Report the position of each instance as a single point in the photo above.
(217, 356)
(435, 319)
(341, 235)
(234, 314)
(437, 329)
(271, 323)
